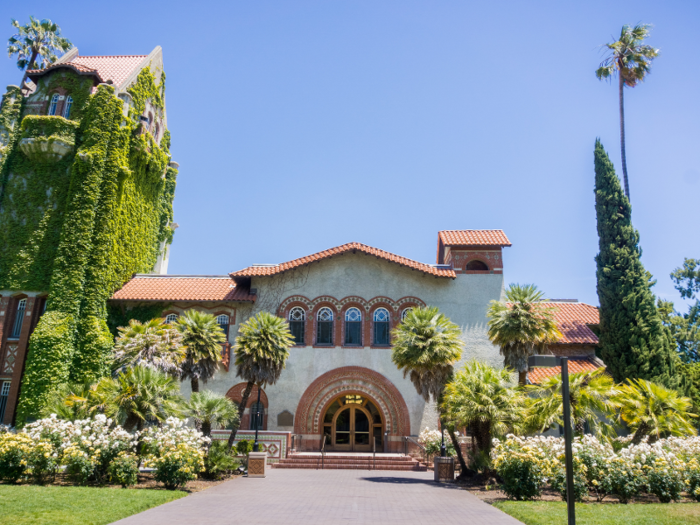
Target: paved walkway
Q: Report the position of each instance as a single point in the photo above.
(311, 497)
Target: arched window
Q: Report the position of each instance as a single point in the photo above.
(223, 322)
(297, 318)
(257, 419)
(324, 331)
(381, 326)
(171, 318)
(353, 327)
(66, 106)
(477, 265)
(54, 104)
(19, 319)
(405, 312)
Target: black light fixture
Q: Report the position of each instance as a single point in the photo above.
(256, 445)
(550, 361)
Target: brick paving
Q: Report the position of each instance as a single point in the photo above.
(311, 497)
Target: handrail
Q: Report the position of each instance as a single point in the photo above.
(323, 453)
(414, 441)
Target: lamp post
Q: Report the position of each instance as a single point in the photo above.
(549, 361)
(256, 445)
(443, 448)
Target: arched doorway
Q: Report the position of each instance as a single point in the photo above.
(351, 423)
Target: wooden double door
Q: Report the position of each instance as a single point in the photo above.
(351, 424)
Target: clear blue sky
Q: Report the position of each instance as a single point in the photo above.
(302, 125)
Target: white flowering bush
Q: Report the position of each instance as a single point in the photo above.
(158, 440)
(432, 439)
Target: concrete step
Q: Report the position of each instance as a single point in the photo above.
(402, 468)
(350, 462)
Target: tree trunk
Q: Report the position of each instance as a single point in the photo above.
(194, 382)
(241, 409)
(29, 66)
(642, 430)
(622, 135)
(522, 377)
(206, 428)
(131, 422)
(464, 470)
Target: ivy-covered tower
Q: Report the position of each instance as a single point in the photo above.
(86, 191)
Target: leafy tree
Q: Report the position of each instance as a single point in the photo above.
(687, 278)
(631, 59)
(210, 410)
(71, 401)
(154, 344)
(523, 327)
(480, 397)
(426, 347)
(36, 44)
(653, 410)
(589, 397)
(633, 342)
(202, 337)
(261, 350)
(137, 396)
(683, 328)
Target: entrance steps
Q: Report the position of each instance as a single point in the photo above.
(349, 460)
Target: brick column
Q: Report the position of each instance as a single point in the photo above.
(18, 370)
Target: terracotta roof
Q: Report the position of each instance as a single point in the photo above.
(473, 238)
(572, 320)
(254, 271)
(115, 68)
(576, 364)
(182, 288)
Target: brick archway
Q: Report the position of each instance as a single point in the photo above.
(352, 379)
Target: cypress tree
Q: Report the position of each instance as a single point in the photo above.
(633, 342)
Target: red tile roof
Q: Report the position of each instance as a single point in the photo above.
(115, 68)
(182, 288)
(573, 320)
(254, 271)
(473, 238)
(576, 364)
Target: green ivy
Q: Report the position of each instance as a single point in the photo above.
(120, 314)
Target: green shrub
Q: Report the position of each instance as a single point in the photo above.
(244, 447)
(665, 482)
(124, 470)
(14, 449)
(558, 483)
(42, 462)
(79, 467)
(521, 475)
(622, 480)
(692, 479)
(219, 462)
(178, 465)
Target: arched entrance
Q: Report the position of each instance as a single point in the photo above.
(351, 423)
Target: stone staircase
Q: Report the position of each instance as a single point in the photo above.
(349, 460)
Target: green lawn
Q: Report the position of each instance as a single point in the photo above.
(25, 504)
(554, 513)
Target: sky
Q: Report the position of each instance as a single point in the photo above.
(302, 125)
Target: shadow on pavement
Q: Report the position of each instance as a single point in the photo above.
(408, 481)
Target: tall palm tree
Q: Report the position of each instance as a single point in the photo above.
(426, 345)
(590, 396)
(137, 396)
(653, 410)
(36, 45)
(631, 60)
(202, 336)
(211, 410)
(154, 344)
(481, 397)
(261, 350)
(522, 326)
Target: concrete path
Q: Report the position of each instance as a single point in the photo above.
(310, 497)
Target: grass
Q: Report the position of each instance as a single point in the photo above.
(25, 504)
(554, 513)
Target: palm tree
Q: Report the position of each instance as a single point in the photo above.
(71, 401)
(481, 397)
(139, 395)
(653, 410)
(426, 345)
(153, 344)
(631, 60)
(202, 337)
(590, 396)
(211, 410)
(261, 350)
(36, 45)
(521, 328)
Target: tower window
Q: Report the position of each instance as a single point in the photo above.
(381, 327)
(297, 318)
(324, 332)
(54, 104)
(67, 106)
(222, 320)
(19, 319)
(477, 266)
(171, 318)
(353, 327)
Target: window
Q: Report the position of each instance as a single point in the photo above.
(353, 327)
(171, 318)
(4, 393)
(297, 318)
(66, 107)
(324, 332)
(54, 104)
(19, 319)
(381, 326)
(223, 322)
(405, 313)
(477, 265)
(257, 420)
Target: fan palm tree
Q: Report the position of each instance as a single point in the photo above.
(36, 44)
(154, 344)
(522, 326)
(631, 60)
(590, 396)
(202, 337)
(426, 345)
(482, 398)
(211, 410)
(261, 350)
(139, 395)
(72, 401)
(653, 410)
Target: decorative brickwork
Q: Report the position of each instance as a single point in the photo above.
(492, 258)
